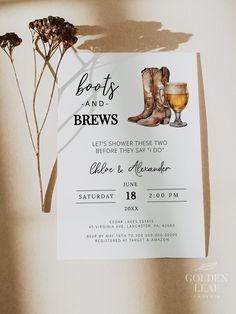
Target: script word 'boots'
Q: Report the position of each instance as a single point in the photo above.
(148, 96)
(161, 112)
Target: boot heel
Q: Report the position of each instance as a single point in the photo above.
(165, 121)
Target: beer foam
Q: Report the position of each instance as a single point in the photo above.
(176, 88)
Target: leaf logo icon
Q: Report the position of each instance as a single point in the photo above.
(206, 266)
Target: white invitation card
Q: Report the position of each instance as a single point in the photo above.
(129, 157)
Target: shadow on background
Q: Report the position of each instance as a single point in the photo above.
(131, 36)
(205, 162)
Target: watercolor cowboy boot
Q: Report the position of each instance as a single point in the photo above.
(161, 112)
(148, 96)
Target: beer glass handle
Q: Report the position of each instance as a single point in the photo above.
(161, 92)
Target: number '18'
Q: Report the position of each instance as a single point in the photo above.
(131, 195)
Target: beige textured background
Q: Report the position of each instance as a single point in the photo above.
(31, 280)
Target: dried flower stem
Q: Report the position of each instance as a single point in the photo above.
(42, 55)
(35, 67)
(35, 95)
(52, 93)
(39, 129)
(37, 132)
(39, 172)
(23, 103)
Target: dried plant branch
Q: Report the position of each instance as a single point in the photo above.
(35, 96)
(51, 96)
(38, 136)
(8, 42)
(35, 61)
(54, 35)
(24, 106)
(35, 67)
(39, 173)
(48, 63)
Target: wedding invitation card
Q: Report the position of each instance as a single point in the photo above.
(129, 157)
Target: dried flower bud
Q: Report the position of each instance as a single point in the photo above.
(9, 41)
(55, 31)
(15, 39)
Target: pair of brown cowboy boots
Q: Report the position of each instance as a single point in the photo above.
(155, 110)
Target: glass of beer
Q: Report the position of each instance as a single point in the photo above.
(176, 95)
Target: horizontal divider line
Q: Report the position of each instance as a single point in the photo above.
(167, 189)
(95, 190)
(95, 202)
(167, 201)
